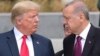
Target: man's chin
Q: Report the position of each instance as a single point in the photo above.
(34, 31)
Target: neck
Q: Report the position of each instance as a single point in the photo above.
(83, 26)
(25, 32)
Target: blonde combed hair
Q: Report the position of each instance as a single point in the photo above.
(23, 7)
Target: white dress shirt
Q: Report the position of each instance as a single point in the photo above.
(18, 36)
(84, 34)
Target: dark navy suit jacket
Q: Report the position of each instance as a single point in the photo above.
(92, 44)
(8, 45)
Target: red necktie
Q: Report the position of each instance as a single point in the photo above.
(24, 49)
(77, 47)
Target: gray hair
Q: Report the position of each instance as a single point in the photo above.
(80, 7)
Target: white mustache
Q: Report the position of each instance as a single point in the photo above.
(65, 27)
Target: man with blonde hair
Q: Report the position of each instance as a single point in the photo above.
(22, 39)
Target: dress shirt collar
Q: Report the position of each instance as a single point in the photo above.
(84, 33)
(18, 34)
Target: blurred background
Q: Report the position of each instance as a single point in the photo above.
(47, 5)
(51, 20)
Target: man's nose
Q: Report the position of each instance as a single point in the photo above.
(37, 19)
(65, 21)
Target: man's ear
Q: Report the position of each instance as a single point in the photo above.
(18, 20)
(82, 16)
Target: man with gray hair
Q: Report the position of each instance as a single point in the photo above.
(22, 39)
(85, 38)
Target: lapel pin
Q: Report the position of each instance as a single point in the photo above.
(37, 42)
(89, 42)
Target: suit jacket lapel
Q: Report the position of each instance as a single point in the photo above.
(89, 42)
(36, 44)
(68, 45)
(12, 43)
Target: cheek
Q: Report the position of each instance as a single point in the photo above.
(73, 24)
(77, 25)
(29, 22)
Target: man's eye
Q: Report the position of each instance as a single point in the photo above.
(33, 16)
(66, 18)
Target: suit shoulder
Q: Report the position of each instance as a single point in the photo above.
(40, 37)
(7, 34)
(97, 31)
(4, 34)
(70, 37)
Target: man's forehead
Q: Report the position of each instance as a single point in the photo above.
(68, 9)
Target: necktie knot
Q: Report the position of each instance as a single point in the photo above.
(77, 47)
(79, 38)
(24, 36)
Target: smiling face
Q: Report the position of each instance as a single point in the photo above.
(28, 22)
(72, 20)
